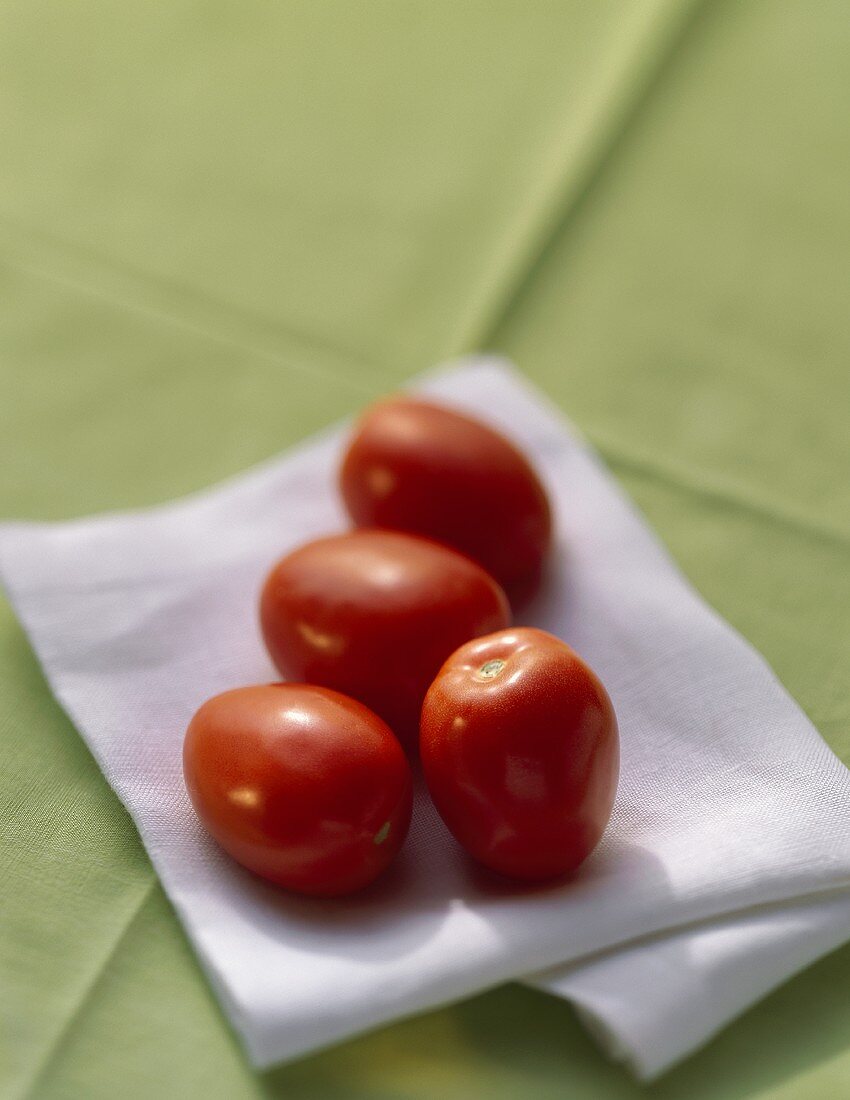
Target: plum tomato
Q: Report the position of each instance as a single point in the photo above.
(520, 751)
(301, 785)
(374, 614)
(416, 466)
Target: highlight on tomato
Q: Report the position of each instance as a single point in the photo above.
(520, 751)
(301, 785)
(417, 466)
(374, 614)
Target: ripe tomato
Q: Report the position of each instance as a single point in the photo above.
(374, 614)
(520, 751)
(301, 785)
(414, 466)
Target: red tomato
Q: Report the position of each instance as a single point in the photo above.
(520, 751)
(414, 466)
(374, 614)
(300, 785)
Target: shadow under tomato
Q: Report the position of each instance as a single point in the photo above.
(550, 590)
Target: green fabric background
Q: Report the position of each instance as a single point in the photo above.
(223, 225)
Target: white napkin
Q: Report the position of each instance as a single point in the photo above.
(652, 1003)
(729, 799)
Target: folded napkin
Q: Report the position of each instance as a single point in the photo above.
(729, 800)
(651, 1003)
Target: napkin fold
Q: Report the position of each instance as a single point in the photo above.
(729, 801)
(651, 1003)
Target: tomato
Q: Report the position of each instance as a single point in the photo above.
(374, 614)
(415, 466)
(520, 752)
(301, 785)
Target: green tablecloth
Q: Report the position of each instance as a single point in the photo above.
(223, 225)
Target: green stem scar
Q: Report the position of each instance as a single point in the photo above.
(490, 669)
(382, 833)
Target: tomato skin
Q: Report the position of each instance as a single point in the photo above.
(521, 755)
(416, 466)
(301, 785)
(374, 614)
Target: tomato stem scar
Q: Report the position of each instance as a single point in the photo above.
(382, 833)
(490, 669)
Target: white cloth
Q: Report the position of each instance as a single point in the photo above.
(652, 1003)
(729, 800)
